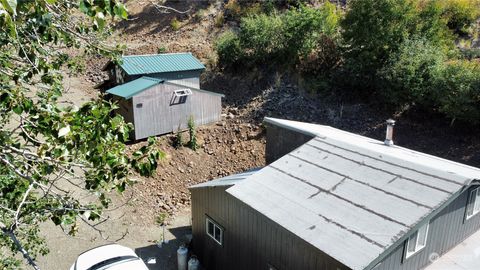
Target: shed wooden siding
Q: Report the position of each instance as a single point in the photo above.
(281, 141)
(251, 241)
(447, 229)
(160, 113)
(124, 109)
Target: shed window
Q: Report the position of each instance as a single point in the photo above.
(473, 206)
(183, 92)
(417, 241)
(215, 231)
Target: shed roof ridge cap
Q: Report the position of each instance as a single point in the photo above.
(159, 80)
(155, 54)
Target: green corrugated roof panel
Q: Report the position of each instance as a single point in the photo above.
(159, 63)
(130, 89)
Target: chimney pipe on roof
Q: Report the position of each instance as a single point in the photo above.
(389, 136)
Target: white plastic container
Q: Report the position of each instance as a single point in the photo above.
(193, 263)
(182, 256)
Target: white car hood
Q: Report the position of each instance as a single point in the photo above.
(102, 253)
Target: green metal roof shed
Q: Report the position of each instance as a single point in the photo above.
(156, 106)
(180, 68)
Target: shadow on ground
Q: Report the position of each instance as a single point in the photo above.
(156, 20)
(164, 256)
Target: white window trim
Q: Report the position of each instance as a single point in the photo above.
(215, 225)
(417, 247)
(183, 92)
(473, 193)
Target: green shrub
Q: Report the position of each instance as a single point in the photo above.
(470, 53)
(178, 141)
(261, 37)
(252, 9)
(228, 48)
(460, 14)
(161, 49)
(268, 6)
(409, 74)
(282, 39)
(192, 143)
(374, 30)
(458, 90)
(219, 20)
(310, 31)
(175, 24)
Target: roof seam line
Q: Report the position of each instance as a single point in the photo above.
(341, 198)
(381, 170)
(362, 183)
(352, 231)
(391, 163)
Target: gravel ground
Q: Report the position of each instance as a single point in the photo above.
(122, 229)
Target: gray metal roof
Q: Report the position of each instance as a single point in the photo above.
(350, 196)
(226, 181)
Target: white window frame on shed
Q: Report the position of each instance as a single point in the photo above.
(417, 241)
(473, 204)
(183, 92)
(217, 231)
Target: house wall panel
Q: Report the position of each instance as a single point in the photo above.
(281, 141)
(446, 230)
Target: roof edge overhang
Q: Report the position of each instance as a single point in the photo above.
(147, 73)
(277, 122)
(159, 81)
(401, 240)
(195, 89)
(197, 187)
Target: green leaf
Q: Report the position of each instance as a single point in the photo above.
(10, 6)
(120, 10)
(18, 110)
(83, 7)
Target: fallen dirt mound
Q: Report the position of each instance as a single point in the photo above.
(228, 147)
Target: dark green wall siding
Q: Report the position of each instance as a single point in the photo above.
(447, 229)
(251, 241)
(281, 141)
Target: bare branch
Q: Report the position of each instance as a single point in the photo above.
(165, 9)
(17, 213)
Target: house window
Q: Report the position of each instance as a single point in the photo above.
(473, 206)
(417, 241)
(215, 231)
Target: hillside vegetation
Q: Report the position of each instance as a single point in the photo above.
(402, 53)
